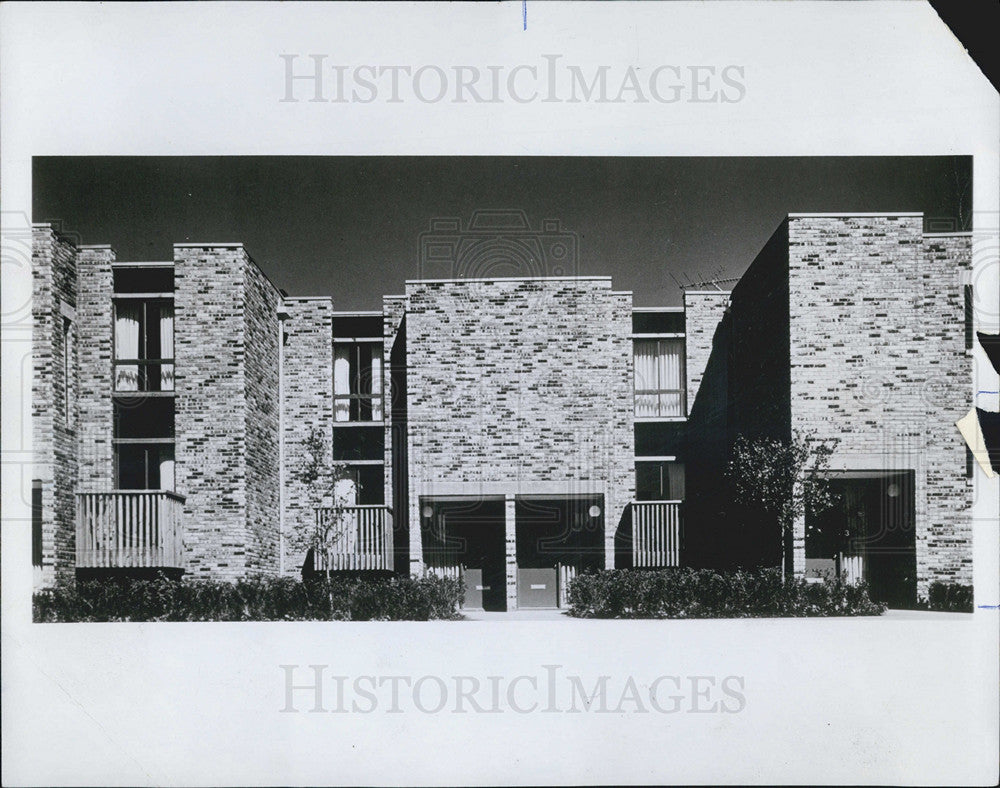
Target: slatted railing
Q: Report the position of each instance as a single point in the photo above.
(124, 529)
(567, 574)
(354, 538)
(656, 533)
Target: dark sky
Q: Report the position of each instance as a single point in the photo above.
(350, 226)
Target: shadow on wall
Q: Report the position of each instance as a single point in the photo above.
(745, 390)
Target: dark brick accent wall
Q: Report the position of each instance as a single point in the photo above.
(307, 390)
(54, 429)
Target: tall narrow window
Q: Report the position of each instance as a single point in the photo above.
(36, 523)
(967, 293)
(659, 378)
(144, 345)
(69, 372)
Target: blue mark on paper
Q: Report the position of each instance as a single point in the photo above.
(988, 607)
(524, 14)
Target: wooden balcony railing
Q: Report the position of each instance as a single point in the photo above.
(125, 529)
(353, 538)
(656, 533)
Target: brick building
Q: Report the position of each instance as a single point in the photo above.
(189, 417)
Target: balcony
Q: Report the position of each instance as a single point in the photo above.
(354, 538)
(129, 529)
(656, 533)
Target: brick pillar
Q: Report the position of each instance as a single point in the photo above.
(417, 520)
(799, 546)
(510, 540)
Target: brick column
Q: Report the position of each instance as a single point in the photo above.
(510, 540)
(416, 534)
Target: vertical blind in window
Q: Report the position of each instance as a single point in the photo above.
(659, 377)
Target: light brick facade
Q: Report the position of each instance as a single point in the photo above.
(849, 327)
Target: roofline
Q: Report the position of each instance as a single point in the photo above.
(359, 313)
(512, 279)
(708, 292)
(956, 234)
(142, 264)
(92, 246)
(211, 245)
(307, 298)
(659, 308)
(849, 214)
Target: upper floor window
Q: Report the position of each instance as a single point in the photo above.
(144, 345)
(357, 381)
(69, 372)
(659, 378)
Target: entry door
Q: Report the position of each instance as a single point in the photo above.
(484, 589)
(537, 588)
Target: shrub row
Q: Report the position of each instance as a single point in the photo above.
(702, 593)
(949, 597)
(259, 599)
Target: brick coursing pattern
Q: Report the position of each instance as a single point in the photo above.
(225, 340)
(260, 318)
(702, 313)
(54, 282)
(520, 382)
(307, 388)
(95, 316)
(878, 362)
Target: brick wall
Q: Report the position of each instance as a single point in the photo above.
(520, 385)
(878, 362)
(307, 390)
(260, 320)
(95, 317)
(225, 339)
(55, 418)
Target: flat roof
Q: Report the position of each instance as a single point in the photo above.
(511, 279)
(844, 214)
(212, 244)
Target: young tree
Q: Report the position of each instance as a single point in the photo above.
(332, 490)
(783, 479)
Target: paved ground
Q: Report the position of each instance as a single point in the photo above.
(559, 615)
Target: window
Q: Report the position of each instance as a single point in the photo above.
(36, 522)
(659, 378)
(369, 483)
(144, 345)
(144, 443)
(659, 481)
(69, 372)
(357, 381)
(967, 294)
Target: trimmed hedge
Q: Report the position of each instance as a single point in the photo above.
(703, 593)
(949, 597)
(258, 599)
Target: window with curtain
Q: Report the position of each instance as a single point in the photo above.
(144, 345)
(357, 381)
(659, 378)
